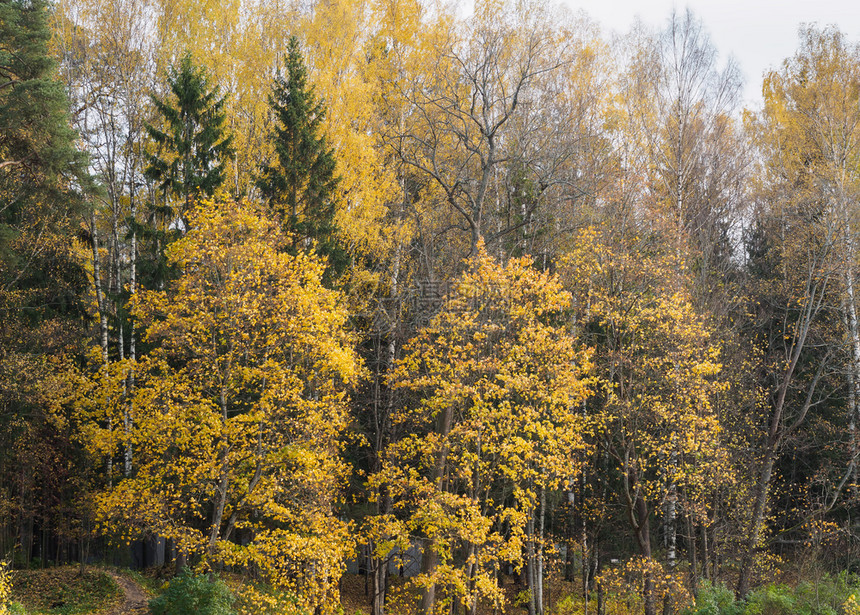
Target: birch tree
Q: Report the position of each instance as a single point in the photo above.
(808, 133)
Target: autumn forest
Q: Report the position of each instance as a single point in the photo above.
(479, 312)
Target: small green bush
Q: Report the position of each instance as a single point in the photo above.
(715, 600)
(826, 597)
(194, 593)
(772, 599)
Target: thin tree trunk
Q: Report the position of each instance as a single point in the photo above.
(670, 530)
(97, 282)
(223, 484)
(379, 565)
(854, 370)
(539, 555)
(103, 323)
(756, 522)
(586, 568)
(132, 345)
(853, 330)
(430, 559)
(694, 554)
(601, 605)
(643, 537)
(472, 573)
(530, 563)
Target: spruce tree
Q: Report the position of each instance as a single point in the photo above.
(191, 150)
(43, 176)
(44, 186)
(300, 183)
(193, 146)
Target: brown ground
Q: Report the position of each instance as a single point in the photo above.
(135, 599)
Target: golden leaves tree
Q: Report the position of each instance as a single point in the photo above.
(660, 374)
(496, 384)
(240, 408)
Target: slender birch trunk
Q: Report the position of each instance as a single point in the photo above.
(103, 322)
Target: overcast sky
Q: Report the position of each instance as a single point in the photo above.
(760, 34)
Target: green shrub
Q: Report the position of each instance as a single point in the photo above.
(827, 596)
(824, 597)
(193, 593)
(772, 599)
(715, 600)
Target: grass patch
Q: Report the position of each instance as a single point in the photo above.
(64, 591)
(150, 583)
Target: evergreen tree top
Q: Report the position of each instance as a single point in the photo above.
(301, 182)
(38, 157)
(193, 144)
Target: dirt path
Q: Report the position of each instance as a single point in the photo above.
(135, 599)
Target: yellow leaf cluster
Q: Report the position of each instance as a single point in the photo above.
(5, 587)
(237, 416)
(498, 385)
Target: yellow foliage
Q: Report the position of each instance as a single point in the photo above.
(238, 412)
(5, 587)
(627, 587)
(498, 375)
(850, 606)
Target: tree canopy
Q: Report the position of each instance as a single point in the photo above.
(534, 317)
(192, 146)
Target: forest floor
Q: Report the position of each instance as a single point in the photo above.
(67, 590)
(135, 599)
(117, 591)
(64, 589)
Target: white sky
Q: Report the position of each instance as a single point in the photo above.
(760, 34)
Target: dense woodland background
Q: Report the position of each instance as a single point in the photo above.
(290, 284)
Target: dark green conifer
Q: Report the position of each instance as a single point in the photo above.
(300, 183)
(193, 145)
(43, 176)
